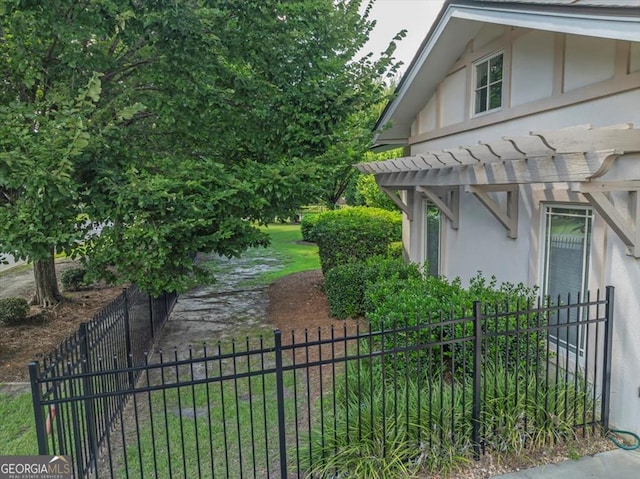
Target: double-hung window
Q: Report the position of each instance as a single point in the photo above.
(488, 74)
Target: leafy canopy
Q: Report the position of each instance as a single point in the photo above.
(173, 126)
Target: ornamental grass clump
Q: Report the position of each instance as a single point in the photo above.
(404, 424)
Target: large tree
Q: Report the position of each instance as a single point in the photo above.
(177, 126)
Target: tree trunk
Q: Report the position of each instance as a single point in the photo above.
(47, 292)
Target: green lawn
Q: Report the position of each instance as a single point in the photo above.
(16, 427)
(293, 256)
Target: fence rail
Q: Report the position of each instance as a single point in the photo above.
(116, 337)
(310, 404)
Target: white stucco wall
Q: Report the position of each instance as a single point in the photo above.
(587, 60)
(428, 116)
(602, 112)
(453, 97)
(481, 244)
(532, 67)
(623, 272)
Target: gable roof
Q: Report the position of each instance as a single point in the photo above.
(459, 21)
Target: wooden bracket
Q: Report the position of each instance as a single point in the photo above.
(398, 202)
(509, 216)
(447, 201)
(627, 228)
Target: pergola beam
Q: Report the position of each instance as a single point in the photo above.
(448, 202)
(397, 201)
(626, 227)
(507, 216)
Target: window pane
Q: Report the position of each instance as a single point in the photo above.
(481, 74)
(568, 245)
(495, 68)
(432, 238)
(481, 100)
(495, 96)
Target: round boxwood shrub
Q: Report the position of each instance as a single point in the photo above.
(13, 310)
(73, 279)
(354, 234)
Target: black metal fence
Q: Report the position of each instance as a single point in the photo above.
(116, 337)
(321, 403)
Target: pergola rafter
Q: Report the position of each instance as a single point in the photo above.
(579, 155)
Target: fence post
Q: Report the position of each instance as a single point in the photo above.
(41, 430)
(280, 397)
(606, 373)
(127, 338)
(85, 352)
(477, 377)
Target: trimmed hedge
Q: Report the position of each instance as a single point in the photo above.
(349, 235)
(307, 226)
(345, 284)
(13, 310)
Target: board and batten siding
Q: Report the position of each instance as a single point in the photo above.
(542, 70)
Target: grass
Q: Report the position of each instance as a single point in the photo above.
(293, 256)
(17, 433)
(226, 429)
(285, 253)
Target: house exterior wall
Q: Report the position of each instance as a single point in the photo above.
(557, 81)
(544, 71)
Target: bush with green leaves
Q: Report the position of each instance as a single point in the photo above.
(396, 250)
(307, 226)
(73, 279)
(345, 284)
(13, 310)
(354, 234)
(439, 306)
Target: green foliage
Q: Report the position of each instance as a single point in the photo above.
(13, 310)
(345, 284)
(354, 234)
(435, 302)
(17, 429)
(73, 279)
(368, 194)
(307, 226)
(396, 250)
(175, 126)
(422, 422)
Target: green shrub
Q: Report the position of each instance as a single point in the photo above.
(345, 284)
(73, 279)
(395, 250)
(355, 234)
(307, 226)
(437, 301)
(13, 310)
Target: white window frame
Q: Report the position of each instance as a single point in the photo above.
(474, 89)
(425, 250)
(574, 351)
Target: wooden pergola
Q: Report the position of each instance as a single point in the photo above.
(582, 156)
